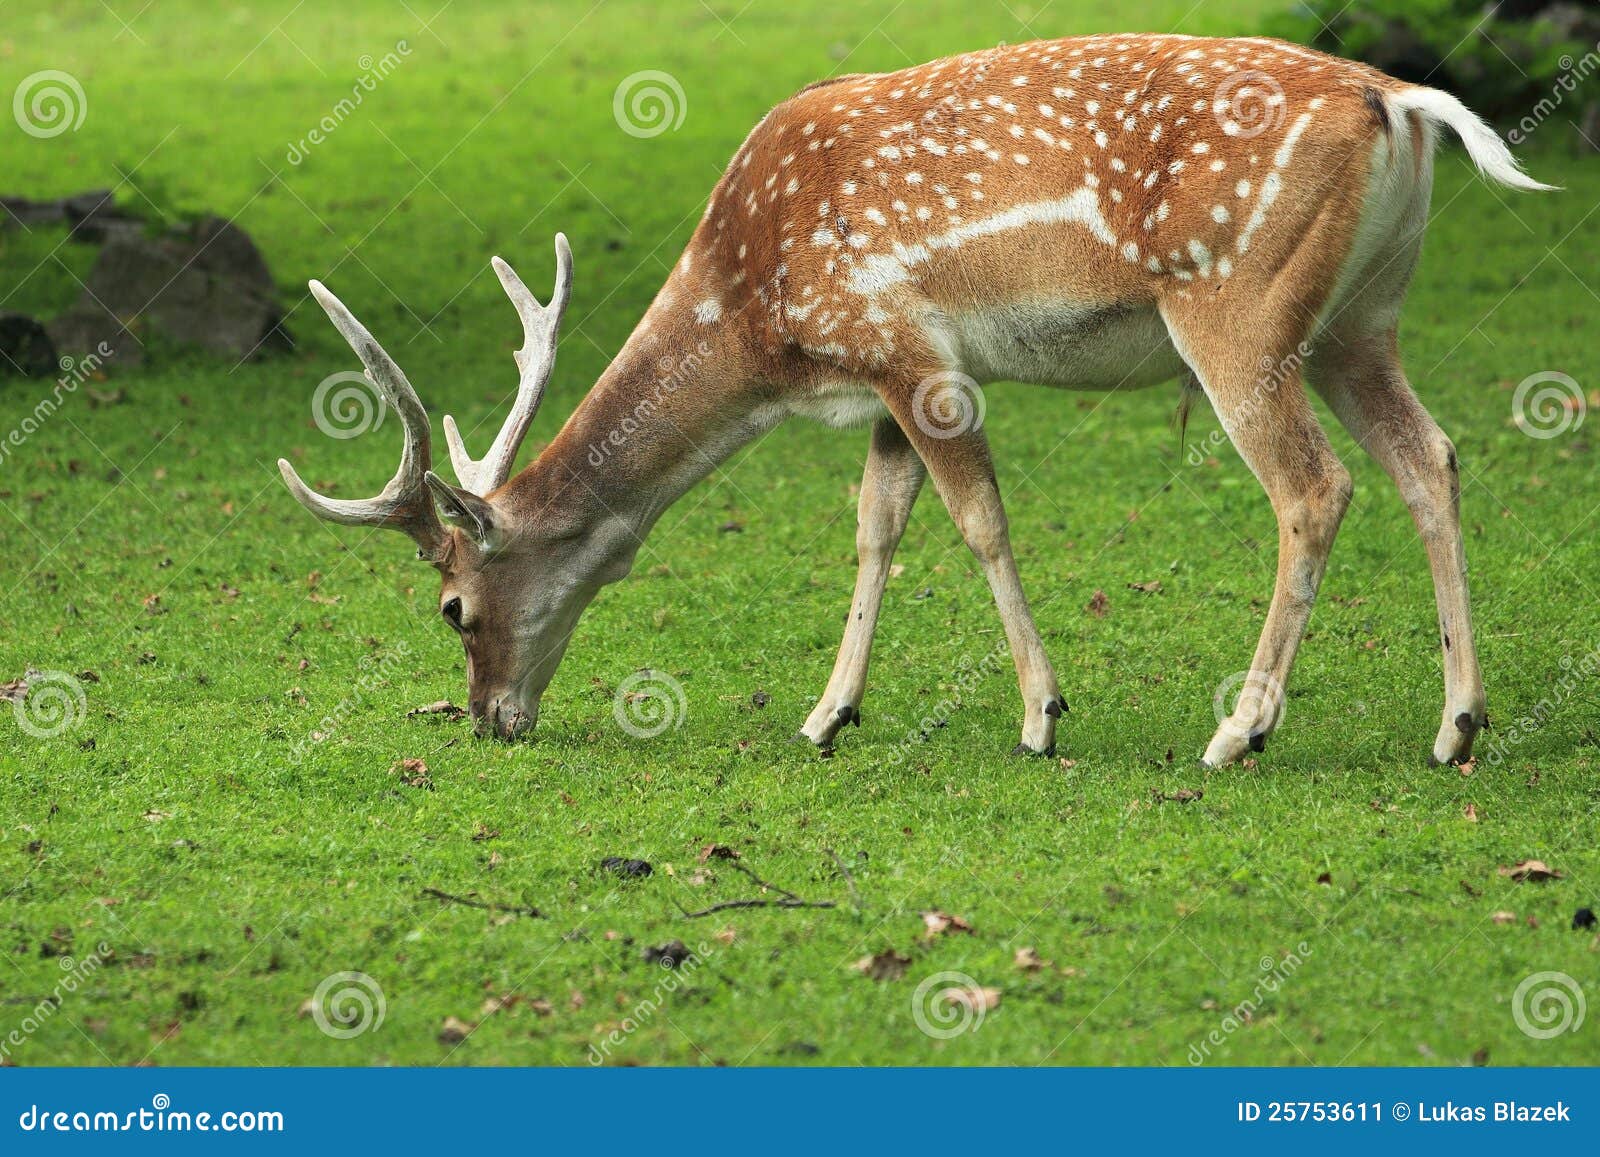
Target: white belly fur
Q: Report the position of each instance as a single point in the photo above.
(1071, 346)
(1075, 346)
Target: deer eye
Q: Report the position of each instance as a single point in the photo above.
(452, 613)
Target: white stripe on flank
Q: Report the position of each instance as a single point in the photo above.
(877, 272)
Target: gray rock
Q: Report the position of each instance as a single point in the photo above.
(206, 286)
(25, 348)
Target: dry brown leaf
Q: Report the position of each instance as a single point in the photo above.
(1470, 813)
(454, 1031)
(441, 707)
(972, 996)
(1098, 604)
(1153, 587)
(1504, 917)
(1182, 795)
(1536, 871)
(1028, 960)
(936, 923)
(717, 852)
(413, 773)
(885, 965)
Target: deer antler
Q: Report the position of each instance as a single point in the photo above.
(404, 503)
(534, 360)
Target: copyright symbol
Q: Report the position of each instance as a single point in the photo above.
(1401, 1111)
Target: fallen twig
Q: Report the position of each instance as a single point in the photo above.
(790, 900)
(793, 902)
(850, 881)
(738, 867)
(486, 905)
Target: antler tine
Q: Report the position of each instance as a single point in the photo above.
(535, 359)
(404, 503)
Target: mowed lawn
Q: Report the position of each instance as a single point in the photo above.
(1346, 894)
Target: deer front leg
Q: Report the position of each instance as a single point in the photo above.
(889, 490)
(963, 473)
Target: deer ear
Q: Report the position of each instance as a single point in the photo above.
(463, 509)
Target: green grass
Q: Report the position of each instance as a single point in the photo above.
(228, 879)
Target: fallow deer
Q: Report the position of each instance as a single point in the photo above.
(1243, 215)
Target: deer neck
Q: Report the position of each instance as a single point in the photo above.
(677, 401)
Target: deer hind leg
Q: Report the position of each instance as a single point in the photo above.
(889, 490)
(1257, 394)
(1363, 382)
(958, 460)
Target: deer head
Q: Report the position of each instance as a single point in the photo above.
(516, 575)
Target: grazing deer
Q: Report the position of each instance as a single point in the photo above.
(1096, 213)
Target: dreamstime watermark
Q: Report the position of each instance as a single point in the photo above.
(1275, 971)
(375, 673)
(1244, 688)
(673, 371)
(373, 73)
(649, 103)
(969, 673)
(74, 372)
(1574, 673)
(49, 103)
(53, 703)
(347, 405)
(1548, 404)
(1247, 104)
(348, 1004)
(948, 404)
(948, 1004)
(1274, 373)
(649, 702)
(676, 972)
(75, 972)
(1573, 74)
(160, 1117)
(1547, 1004)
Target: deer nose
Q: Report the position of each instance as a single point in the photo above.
(510, 719)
